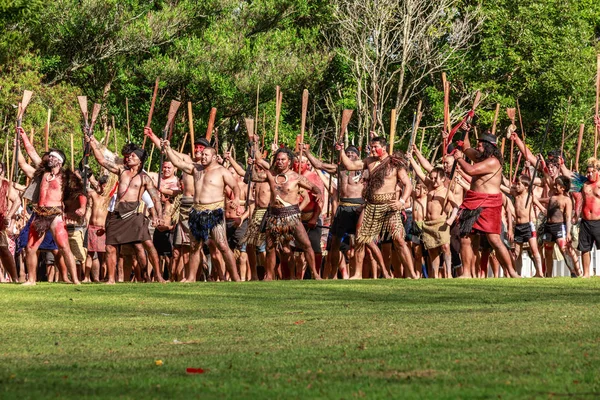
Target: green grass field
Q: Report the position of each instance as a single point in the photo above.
(337, 339)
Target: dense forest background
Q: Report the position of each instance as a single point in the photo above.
(367, 55)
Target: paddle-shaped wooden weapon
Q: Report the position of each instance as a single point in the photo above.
(211, 124)
(87, 131)
(346, 116)
(303, 125)
(251, 149)
(191, 125)
(278, 100)
(579, 139)
(20, 111)
(596, 129)
(170, 118)
(447, 139)
(511, 113)
(467, 119)
(47, 130)
(152, 103)
(392, 130)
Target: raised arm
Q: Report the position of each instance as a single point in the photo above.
(406, 183)
(417, 169)
(523, 148)
(35, 158)
(350, 165)
(481, 168)
(318, 164)
(237, 167)
(157, 143)
(230, 181)
(177, 161)
(421, 159)
(314, 189)
(111, 166)
(27, 169)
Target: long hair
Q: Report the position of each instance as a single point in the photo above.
(287, 152)
(489, 150)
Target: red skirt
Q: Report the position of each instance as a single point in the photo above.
(489, 207)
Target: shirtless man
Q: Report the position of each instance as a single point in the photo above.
(383, 210)
(350, 186)
(558, 226)
(207, 219)
(589, 230)
(75, 207)
(10, 202)
(481, 209)
(126, 225)
(237, 225)
(436, 232)
(525, 226)
(98, 202)
(47, 195)
(283, 219)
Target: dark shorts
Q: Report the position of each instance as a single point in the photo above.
(523, 232)
(163, 242)
(589, 233)
(314, 236)
(345, 221)
(553, 232)
(235, 234)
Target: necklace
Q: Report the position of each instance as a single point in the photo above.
(285, 179)
(50, 177)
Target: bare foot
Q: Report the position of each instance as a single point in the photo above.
(354, 277)
(28, 283)
(465, 277)
(110, 282)
(538, 276)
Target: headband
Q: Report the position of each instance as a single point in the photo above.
(139, 152)
(57, 155)
(353, 149)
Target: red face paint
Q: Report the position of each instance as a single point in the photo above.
(379, 151)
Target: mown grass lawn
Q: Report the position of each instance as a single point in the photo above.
(337, 339)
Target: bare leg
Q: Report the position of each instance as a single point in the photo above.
(405, 256)
(434, 256)
(153, 258)
(8, 261)
(586, 261)
(242, 262)
(62, 241)
(537, 258)
(502, 254)
(359, 256)
(196, 248)
(467, 255)
(548, 250)
(303, 242)
(446, 257)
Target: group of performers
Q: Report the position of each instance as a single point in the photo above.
(389, 215)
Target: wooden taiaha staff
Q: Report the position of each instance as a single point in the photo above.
(579, 140)
(596, 129)
(20, 111)
(346, 116)
(278, 100)
(191, 125)
(303, 124)
(511, 113)
(421, 143)
(256, 111)
(88, 130)
(211, 124)
(170, 118)
(72, 153)
(392, 130)
(467, 119)
(127, 115)
(152, 103)
(252, 153)
(447, 138)
(47, 130)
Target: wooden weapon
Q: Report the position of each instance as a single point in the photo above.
(47, 130)
(579, 139)
(447, 139)
(20, 111)
(562, 143)
(421, 144)
(374, 116)
(392, 130)
(415, 126)
(278, 100)
(510, 112)
(211, 124)
(596, 131)
(170, 118)
(115, 132)
(346, 115)
(256, 112)
(152, 103)
(191, 125)
(303, 123)
(87, 131)
(127, 115)
(72, 153)
(252, 150)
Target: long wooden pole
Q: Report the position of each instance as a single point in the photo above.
(256, 112)
(152, 103)
(521, 122)
(278, 99)
(447, 123)
(127, 114)
(303, 121)
(72, 154)
(392, 130)
(579, 139)
(596, 129)
(47, 130)
(115, 132)
(191, 125)
(421, 144)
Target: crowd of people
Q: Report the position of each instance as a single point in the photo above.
(295, 216)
